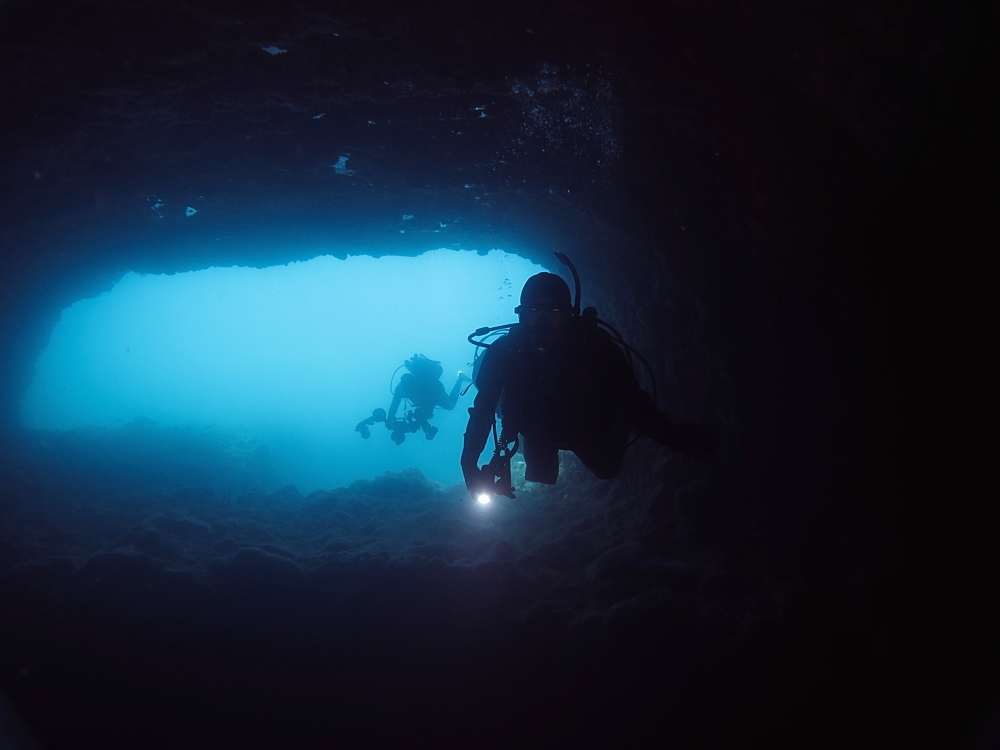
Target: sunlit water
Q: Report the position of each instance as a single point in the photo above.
(292, 356)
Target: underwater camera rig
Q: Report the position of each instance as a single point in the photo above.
(498, 469)
(504, 447)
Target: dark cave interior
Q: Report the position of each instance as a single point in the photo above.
(783, 207)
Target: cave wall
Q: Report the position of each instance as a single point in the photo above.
(746, 192)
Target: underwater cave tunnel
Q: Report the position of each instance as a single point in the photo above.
(728, 198)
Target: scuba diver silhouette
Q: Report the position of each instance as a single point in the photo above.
(422, 388)
(561, 380)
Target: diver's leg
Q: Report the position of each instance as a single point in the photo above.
(420, 417)
(602, 454)
(541, 461)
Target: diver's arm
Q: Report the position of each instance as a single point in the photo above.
(482, 413)
(448, 402)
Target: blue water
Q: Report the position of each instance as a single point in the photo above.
(288, 357)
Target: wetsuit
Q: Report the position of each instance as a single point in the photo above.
(576, 393)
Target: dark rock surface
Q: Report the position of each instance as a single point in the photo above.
(389, 600)
(785, 206)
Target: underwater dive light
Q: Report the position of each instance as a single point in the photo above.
(484, 499)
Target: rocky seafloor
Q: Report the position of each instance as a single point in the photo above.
(145, 595)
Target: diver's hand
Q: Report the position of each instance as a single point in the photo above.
(463, 378)
(477, 482)
(693, 440)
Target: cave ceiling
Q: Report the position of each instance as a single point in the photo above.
(242, 111)
(740, 147)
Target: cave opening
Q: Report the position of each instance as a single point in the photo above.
(279, 363)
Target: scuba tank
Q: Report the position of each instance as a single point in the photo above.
(423, 367)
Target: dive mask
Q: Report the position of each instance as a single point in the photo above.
(531, 316)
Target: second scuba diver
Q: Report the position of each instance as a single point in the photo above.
(421, 386)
